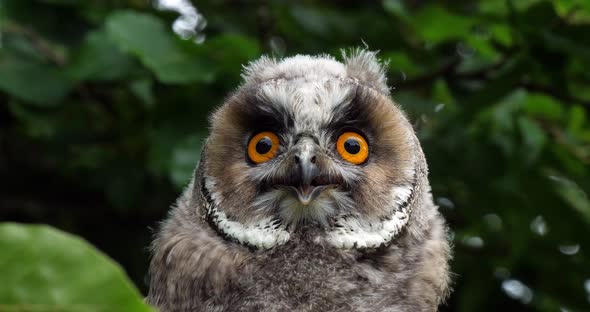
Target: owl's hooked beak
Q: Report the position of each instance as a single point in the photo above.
(308, 182)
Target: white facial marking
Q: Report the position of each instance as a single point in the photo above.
(401, 194)
(356, 232)
(263, 234)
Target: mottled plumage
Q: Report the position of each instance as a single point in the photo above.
(306, 230)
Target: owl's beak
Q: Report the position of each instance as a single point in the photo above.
(306, 195)
(306, 171)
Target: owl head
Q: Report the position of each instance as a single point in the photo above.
(309, 140)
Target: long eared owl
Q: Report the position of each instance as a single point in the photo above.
(311, 194)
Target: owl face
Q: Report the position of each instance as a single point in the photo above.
(309, 140)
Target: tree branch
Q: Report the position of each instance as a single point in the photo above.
(556, 93)
(443, 71)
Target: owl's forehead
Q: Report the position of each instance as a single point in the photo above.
(310, 101)
(309, 89)
(312, 94)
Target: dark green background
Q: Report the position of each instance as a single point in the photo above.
(103, 109)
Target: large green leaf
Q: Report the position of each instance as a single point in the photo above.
(34, 82)
(45, 269)
(543, 106)
(99, 59)
(533, 139)
(436, 24)
(159, 49)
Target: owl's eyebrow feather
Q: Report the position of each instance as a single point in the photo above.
(355, 113)
(258, 113)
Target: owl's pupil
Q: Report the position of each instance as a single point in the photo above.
(352, 146)
(263, 146)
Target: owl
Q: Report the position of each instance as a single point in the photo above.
(311, 194)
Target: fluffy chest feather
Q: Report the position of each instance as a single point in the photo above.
(304, 276)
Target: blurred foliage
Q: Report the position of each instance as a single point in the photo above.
(52, 271)
(103, 109)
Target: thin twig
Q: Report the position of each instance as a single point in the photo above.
(39, 43)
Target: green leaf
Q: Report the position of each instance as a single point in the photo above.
(501, 32)
(229, 52)
(499, 121)
(33, 82)
(533, 139)
(442, 94)
(505, 110)
(577, 119)
(574, 10)
(400, 62)
(45, 269)
(396, 7)
(544, 106)
(143, 90)
(35, 124)
(571, 193)
(3, 15)
(99, 59)
(158, 48)
(500, 7)
(435, 24)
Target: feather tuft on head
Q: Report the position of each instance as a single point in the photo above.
(359, 64)
(364, 66)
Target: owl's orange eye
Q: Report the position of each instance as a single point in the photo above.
(352, 147)
(263, 147)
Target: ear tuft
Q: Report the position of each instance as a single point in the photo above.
(254, 72)
(365, 66)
